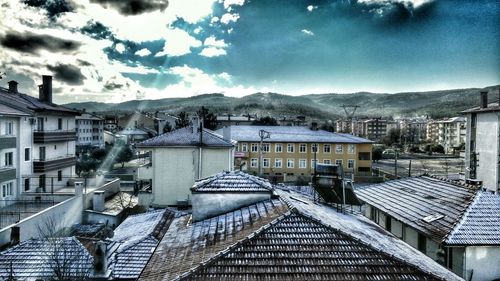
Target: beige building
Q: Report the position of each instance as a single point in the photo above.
(290, 151)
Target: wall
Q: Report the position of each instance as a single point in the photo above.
(411, 237)
(487, 142)
(483, 263)
(206, 205)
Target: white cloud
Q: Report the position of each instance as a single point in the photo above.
(228, 3)
(120, 48)
(414, 3)
(213, 42)
(228, 17)
(143, 52)
(307, 32)
(214, 20)
(178, 44)
(213, 52)
(310, 8)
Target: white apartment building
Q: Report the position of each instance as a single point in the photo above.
(451, 134)
(44, 154)
(89, 130)
(483, 143)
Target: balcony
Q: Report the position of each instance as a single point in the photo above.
(7, 173)
(53, 136)
(7, 141)
(45, 165)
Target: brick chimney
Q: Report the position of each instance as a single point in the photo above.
(13, 86)
(483, 101)
(45, 93)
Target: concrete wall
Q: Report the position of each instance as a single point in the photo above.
(487, 147)
(206, 205)
(98, 217)
(483, 263)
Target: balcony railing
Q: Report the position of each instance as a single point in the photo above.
(53, 136)
(7, 173)
(44, 165)
(7, 141)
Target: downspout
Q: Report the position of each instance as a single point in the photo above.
(200, 166)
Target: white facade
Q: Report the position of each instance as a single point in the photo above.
(89, 130)
(451, 133)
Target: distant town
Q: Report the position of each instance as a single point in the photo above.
(199, 195)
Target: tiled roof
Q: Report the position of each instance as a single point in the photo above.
(135, 241)
(296, 247)
(411, 200)
(480, 224)
(185, 245)
(31, 104)
(186, 137)
(37, 259)
(290, 134)
(232, 181)
(7, 110)
(495, 106)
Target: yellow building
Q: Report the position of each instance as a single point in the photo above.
(290, 151)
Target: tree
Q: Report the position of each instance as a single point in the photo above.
(98, 154)
(265, 121)
(209, 119)
(377, 152)
(124, 155)
(167, 128)
(328, 126)
(85, 165)
(437, 148)
(392, 137)
(182, 120)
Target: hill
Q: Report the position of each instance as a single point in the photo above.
(435, 104)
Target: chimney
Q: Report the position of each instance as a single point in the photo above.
(98, 201)
(101, 261)
(483, 102)
(13, 86)
(15, 234)
(195, 124)
(46, 89)
(226, 133)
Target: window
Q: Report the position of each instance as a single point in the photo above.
(8, 159)
(27, 154)
(290, 163)
(244, 147)
(313, 163)
(26, 184)
(254, 147)
(350, 149)
(338, 161)
(8, 128)
(339, 149)
(314, 147)
(278, 148)
(350, 164)
(388, 225)
(42, 153)
(302, 163)
(327, 161)
(253, 162)
(278, 163)
(364, 156)
(290, 148)
(265, 162)
(59, 123)
(265, 147)
(327, 148)
(303, 148)
(7, 189)
(422, 243)
(59, 175)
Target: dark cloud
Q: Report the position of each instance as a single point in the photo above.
(133, 7)
(111, 85)
(96, 30)
(53, 7)
(84, 63)
(68, 74)
(31, 43)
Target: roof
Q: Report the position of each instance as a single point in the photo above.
(7, 110)
(186, 137)
(232, 181)
(135, 240)
(37, 259)
(132, 131)
(480, 224)
(297, 247)
(31, 104)
(494, 106)
(415, 200)
(291, 134)
(88, 116)
(185, 245)
(235, 118)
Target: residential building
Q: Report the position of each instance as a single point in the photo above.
(132, 135)
(413, 130)
(483, 143)
(181, 157)
(451, 134)
(89, 130)
(288, 238)
(291, 151)
(375, 129)
(46, 146)
(456, 225)
(343, 126)
(432, 131)
(111, 123)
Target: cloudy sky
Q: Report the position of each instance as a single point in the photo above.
(117, 50)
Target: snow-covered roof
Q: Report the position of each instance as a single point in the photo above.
(481, 223)
(37, 259)
(137, 227)
(431, 205)
(232, 181)
(290, 134)
(186, 137)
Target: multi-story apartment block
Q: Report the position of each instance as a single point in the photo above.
(413, 130)
(45, 145)
(291, 151)
(375, 129)
(432, 131)
(89, 130)
(482, 156)
(451, 134)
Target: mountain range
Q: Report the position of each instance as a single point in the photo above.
(435, 104)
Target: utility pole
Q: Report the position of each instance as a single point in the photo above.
(409, 169)
(263, 135)
(396, 163)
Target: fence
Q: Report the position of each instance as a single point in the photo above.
(16, 210)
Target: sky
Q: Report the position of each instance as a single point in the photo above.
(119, 50)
